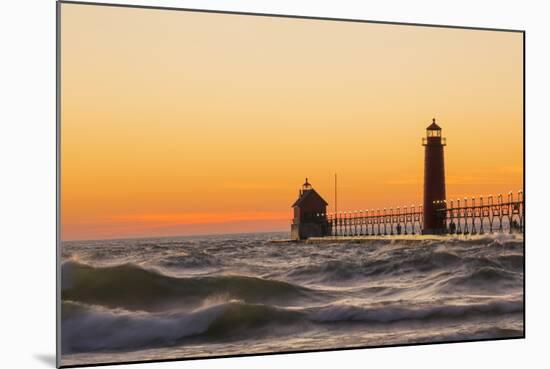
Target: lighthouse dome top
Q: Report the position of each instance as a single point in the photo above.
(433, 126)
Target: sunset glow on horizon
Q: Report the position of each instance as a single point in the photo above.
(181, 123)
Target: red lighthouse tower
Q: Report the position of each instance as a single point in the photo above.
(434, 179)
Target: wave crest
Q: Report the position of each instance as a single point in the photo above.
(388, 314)
(92, 328)
(132, 287)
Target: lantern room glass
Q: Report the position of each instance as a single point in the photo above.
(434, 132)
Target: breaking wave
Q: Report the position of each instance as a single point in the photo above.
(91, 328)
(133, 287)
(395, 313)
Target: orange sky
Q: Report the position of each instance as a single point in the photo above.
(177, 123)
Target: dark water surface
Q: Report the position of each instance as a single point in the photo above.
(151, 299)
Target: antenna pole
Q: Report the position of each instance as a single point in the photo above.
(335, 193)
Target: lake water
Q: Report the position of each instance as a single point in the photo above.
(183, 297)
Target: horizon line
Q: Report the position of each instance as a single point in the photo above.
(174, 236)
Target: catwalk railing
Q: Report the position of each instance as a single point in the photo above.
(481, 215)
(401, 220)
(468, 216)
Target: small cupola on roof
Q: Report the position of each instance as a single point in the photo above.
(306, 186)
